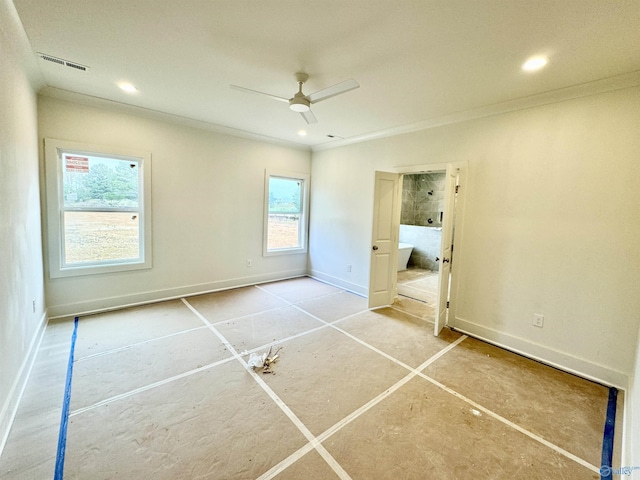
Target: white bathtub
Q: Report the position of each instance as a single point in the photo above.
(404, 252)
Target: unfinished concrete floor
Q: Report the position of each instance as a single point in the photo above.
(162, 391)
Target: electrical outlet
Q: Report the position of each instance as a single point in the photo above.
(349, 268)
(538, 320)
(249, 263)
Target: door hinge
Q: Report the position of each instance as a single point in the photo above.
(457, 188)
(447, 303)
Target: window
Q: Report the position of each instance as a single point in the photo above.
(285, 222)
(98, 202)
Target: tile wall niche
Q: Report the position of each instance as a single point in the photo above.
(421, 217)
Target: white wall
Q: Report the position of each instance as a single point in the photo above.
(631, 452)
(21, 274)
(550, 225)
(207, 206)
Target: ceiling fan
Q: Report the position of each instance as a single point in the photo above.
(300, 102)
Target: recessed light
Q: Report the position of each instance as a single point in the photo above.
(302, 133)
(128, 87)
(534, 63)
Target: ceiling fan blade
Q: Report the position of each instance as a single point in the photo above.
(332, 91)
(309, 117)
(243, 89)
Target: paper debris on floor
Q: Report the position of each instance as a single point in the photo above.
(264, 360)
(256, 361)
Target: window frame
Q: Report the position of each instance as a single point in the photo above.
(303, 228)
(54, 178)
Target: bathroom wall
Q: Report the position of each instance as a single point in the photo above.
(422, 199)
(426, 245)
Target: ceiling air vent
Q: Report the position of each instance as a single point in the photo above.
(60, 61)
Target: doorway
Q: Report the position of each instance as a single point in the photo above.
(431, 232)
(428, 224)
(420, 236)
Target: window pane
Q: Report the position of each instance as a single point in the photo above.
(285, 220)
(284, 195)
(101, 236)
(284, 231)
(98, 182)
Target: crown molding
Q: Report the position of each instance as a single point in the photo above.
(99, 102)
(618, 82)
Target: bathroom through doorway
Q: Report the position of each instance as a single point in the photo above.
(425, 251)
(386, 244)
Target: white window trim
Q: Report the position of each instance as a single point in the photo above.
(304, 215)
(53, 150)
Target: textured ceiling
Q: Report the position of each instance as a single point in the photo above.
(414, 60)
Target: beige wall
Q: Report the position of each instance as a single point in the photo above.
(20, 244)
(550, 225)
(207, 206)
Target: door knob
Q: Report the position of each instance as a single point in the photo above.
(445, 260)
(375, 247)
(437, 259)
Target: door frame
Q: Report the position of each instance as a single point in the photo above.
(457, 223)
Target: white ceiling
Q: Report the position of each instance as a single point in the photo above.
(414, 59)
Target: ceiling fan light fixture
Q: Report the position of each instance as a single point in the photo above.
(298, 104)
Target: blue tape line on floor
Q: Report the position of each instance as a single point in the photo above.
(62, 436)
(607, 441)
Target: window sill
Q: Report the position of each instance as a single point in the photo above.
(284, 251)
(81, 270)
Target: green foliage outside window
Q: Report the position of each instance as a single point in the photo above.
(107, 183)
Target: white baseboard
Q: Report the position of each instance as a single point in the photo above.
(339, 282)
(142, 298)
(555, 358)
(10, 407)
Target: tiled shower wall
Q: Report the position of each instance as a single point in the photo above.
(423, 199)
(422, 204)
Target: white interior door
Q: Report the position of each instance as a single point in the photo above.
(384, 239)
(444, 268)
